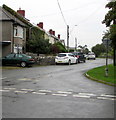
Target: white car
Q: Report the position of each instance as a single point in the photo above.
(68, 58)
(91, 56)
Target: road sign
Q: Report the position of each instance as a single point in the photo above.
(107, 42)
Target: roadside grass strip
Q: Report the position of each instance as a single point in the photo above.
(98, 74)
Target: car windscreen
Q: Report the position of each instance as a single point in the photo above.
(26, 56)
(61, 55)
(91, 54)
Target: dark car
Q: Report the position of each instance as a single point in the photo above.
(81, 57)
(22, 59)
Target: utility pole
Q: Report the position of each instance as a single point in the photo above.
(75, 44)
(68, 38)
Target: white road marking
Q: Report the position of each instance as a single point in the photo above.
(24, 79)
(28, 89)
(20, 91)
(3, 78)
(45, 91)
(10, 88)
(60, 95)
(4, 90)
(89, 94)
(63, 92)
(81, 96)
(105, 98)
(39, 93)
(108, 95)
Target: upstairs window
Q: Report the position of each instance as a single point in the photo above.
(19, 32)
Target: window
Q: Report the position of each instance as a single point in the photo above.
(19, 56)
(61, 55)
(10, 56)
(18, 32)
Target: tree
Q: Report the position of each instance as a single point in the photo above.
(98, 49)
(37, 43)
(83, 49)
(58, 47)
(110, 21)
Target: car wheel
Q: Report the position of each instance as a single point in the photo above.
(76, 61)
(69, 62)
(23, 64)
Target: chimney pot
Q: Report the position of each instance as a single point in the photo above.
(58, 36)
(40, 25)
(54, 33)
(21, 12)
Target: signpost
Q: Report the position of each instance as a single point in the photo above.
(106, 42)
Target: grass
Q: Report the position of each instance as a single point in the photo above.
(99, 74)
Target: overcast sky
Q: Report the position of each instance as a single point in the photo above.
(84, 17)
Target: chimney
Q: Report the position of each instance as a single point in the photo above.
(51, 32)
(40, 25)
(54, 33)
(58, 36)
(21, 12)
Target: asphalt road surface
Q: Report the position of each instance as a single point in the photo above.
(56, 91)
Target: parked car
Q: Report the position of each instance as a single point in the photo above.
(80, 56)
(22, 59)
(91, 55)
(68, 58)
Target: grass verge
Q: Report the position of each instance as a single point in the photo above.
(98, 74)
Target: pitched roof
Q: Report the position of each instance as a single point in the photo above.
(9, 14)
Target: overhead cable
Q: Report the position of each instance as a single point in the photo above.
(61, 12)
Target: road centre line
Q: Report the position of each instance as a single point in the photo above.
(4, 90)
(3, 78)
(105, 98)
(63, 92)
(89, 94)
(20, 91)
(23, 79)
(10, 88)
(45, 90)
(81, 96)
(59, 95)
(28, 89)
(108, 95)
(39, 93)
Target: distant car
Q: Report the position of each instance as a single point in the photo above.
(67, 58)
(22, 59)
(91, 56)
(80, 56)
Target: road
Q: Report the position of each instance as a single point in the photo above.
(56, 91)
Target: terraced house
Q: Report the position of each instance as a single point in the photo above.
(13, 31)
(17, 31)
